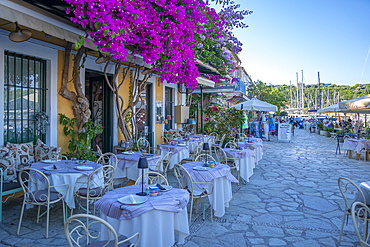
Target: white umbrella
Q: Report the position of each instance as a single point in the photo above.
(356, 103)
(335, 108)
(256, 105)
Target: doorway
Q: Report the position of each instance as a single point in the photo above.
(144, 116)
(168, 108)
(101, 105)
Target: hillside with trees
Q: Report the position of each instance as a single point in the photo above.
(329, 94)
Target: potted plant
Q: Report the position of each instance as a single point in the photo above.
(340, 136)
(328, 131)
(319, 127)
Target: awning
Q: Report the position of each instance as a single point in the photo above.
(237, 97)
(356, 103)
(40, 20)
(335, 108)
(227, 89)
(205, 82)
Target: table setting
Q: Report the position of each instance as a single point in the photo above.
(74, 173)
(221, 177)
(127, 164)
(179, 152)
(257, 147)
(244, 159)
(157, 216)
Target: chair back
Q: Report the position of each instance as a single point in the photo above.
(80, 227)
(193, 144)
(165, 139)
(163, 164)
(222, 139)
(220, 155)
(350, 192)
(99, 150)
(105, 173)
(143, 145)
(108, 159)
(204, 157)
(230, 144)
(183, 177)
(62, 157)
(367, 145)
(153, 178)
(30, 176)
(360, 216)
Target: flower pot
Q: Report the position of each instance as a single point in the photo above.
(328, 134)
(317, 130)
(341, 139)
(322, 132)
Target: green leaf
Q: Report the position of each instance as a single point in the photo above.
(97, 25)
(106, 32)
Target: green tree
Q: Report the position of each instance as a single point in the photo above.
(267, 93)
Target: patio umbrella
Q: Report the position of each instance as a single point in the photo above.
(356, 103)
(256, 105)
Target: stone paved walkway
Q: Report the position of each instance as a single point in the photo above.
(293, 199)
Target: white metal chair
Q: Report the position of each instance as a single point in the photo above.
(92, 191)
(62, 157)
(204, 157)
(108, 159)
(43, 195)
(360, 213)
(186, 182)
(76, 230)
(351, 193)
(143, 145)
(99, 150)
(153, 178)
(230, 144)
(163, 163)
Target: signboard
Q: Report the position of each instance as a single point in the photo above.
(284, 132)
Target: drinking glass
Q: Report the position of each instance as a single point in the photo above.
(74, 159)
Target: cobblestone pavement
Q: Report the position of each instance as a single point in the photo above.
(292, 199)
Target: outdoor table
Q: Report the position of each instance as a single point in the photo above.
(254, 139)
(127, 165)
(221, 178)
(69, 175)
(244, 160)
(178, 152)
(352, 144)
(257, 147)
(157, 220)
(365, 188)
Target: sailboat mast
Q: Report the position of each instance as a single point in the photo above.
(291, 96)
(297, 91)
(302, 86)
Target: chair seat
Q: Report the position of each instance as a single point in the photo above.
(41, 195)
(103, 243)
(93, 192)
(187, 159)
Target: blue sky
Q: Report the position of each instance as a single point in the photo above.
(287, 36)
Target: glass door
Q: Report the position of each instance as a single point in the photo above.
(168, 108)
(101, 105)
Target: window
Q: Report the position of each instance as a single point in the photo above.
(24, 96)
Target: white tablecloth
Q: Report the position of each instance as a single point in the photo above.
(258, 152)
(365, 188)
(75, 180)
(156, 228)
(176, 158)
(221, 196)
(356, 145)
(245, 167)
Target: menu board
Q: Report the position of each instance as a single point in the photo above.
(284, 132)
